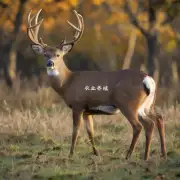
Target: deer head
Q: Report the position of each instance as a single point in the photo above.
(52, 55)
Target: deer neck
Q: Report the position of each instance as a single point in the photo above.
(64, 72)
(59, 76)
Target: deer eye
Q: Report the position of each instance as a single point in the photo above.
(46, 55)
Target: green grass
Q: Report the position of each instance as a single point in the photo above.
(32, 156)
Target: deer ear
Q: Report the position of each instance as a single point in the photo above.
(66, 48)
(37, 48)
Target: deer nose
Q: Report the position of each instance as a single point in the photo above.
(50, 64)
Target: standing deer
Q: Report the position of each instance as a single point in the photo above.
(93, 92)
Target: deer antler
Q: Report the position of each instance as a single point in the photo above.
(33, 30)
(79, 29)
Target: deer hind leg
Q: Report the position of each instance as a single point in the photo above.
(76, 126)
(144, 112)
(90, 130)
(160, 125)
(137, 127)
(132, 117)
(148, 125)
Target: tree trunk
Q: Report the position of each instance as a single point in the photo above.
(151, 38)
(130, 51)
(151, 54)
(111, 56)
(10, 60)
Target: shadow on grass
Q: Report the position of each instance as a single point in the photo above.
(63, 177)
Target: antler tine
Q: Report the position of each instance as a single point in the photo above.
(29, 32)
(29, 15)
(33, 30)
(37, 16)
(82, 26)
(79, 29)
(30, 19)
(72, 25)
(78, 34)
(42, 42)
(36, 22)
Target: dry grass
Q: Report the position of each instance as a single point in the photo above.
(35, 138)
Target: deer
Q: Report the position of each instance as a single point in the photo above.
(88, 93)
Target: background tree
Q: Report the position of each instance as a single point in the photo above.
(118, 34)
(10, 49)
(148, 17)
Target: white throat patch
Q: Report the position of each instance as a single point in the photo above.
(52, 72)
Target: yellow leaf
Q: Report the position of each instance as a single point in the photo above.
(63, 5)
(171, 45)
(49, 1)
(73, 2)
(97, 2)
(7, 1)
(117, 18)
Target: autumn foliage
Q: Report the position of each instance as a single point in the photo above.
(106, 39)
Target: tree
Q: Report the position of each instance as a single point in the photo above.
(10, 49)
(150, 25)
(151, 7)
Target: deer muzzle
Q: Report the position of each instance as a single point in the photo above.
(51, 70)
(50, 64)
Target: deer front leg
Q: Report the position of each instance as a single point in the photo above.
(76, 126)
(90, 130)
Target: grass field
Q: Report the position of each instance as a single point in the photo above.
(35, 137)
